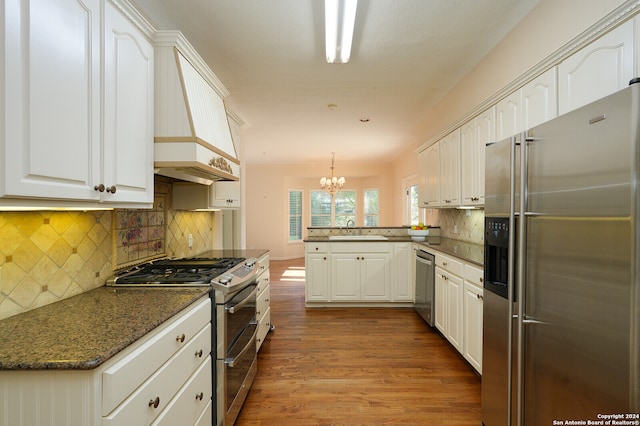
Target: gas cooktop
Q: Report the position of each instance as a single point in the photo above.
(176, 272)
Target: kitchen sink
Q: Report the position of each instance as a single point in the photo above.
(357, 237)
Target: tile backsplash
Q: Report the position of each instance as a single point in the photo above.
(469, 228)
(47, 256)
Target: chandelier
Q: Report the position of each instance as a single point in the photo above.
(333, 183)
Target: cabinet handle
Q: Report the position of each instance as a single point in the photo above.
(154, 402)
(480, 297)
(444, 263)
(199, 353)
(180, 338)
(317, 248)
(99, 188)
(481, 279)
(199, 396)
(112, 189)
(324, 258)
(257, 312)
(266, 300)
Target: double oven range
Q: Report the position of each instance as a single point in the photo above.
(234, 329)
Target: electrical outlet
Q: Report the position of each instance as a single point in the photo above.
(455, 229)
(190, 241)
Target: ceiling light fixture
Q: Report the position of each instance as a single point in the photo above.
(333, 183)
(339, 21)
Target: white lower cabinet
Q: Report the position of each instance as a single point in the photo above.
(317, 272)
(358, 272)
(164, 376)
(473, 306)
(263, 306)
(357, 276)
(449, 303)
(459, 305)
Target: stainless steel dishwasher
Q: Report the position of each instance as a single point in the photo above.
(425, 286)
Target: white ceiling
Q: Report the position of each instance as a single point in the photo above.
(407, 54)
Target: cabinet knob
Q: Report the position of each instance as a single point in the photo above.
(199, 353)
(480, 297)
(200, 396)
(99, 188)
(257, 312)
(112, 189)
(324, 258)
(154, 402)
(481, 279)
(180, 338)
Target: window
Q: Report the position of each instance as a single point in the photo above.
(371, 207)
(295, 215)
(412, 202)
(345, 207)
(336, 211)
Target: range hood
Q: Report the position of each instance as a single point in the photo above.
(193, 141)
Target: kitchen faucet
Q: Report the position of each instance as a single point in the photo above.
(352, 223)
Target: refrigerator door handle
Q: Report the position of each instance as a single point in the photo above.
(530, 321)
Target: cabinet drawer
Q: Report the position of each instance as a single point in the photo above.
(161, 387)
(450, 264)
(263, 264)
(262, 303)
(474, 275)
(359, 247)
(121, 379)
(317, 247)
(191, 401)
(206, 418)
(263, 327)
(263, 281)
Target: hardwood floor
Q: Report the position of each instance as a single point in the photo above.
(348, 366)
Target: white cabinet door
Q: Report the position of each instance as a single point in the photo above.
(600, 69)
(128, 111)
(402, 279)
(509, 116)
(317, 277)
(345, 277)
(440, 301)
(473, 307)
(374, 277)
(432, 161)
(227, 194)
(51, 74)
(454, 310)
(450, 169)
(423, 180)
(540, 100)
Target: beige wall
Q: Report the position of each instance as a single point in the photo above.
(266, 199)
(545, 30)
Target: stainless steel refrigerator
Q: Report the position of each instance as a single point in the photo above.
(562, 294)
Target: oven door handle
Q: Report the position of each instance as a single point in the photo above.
(232, 309)
(251, 344)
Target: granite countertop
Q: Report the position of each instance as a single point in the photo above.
(469, 252)
(326, 239)
(83, 331)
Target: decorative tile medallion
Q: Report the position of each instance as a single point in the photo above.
(139, 235)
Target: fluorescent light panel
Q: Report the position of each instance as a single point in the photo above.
(340, 18)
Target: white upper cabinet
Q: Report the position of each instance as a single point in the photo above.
(429, 177)
(475, 134)
(533, 104)
(128, 110)
(450, 169)
(51, 105)
(540, 99)
(54, 149)
(599, 69)
(509, 116)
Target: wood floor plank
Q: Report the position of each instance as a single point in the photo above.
(355, 366)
